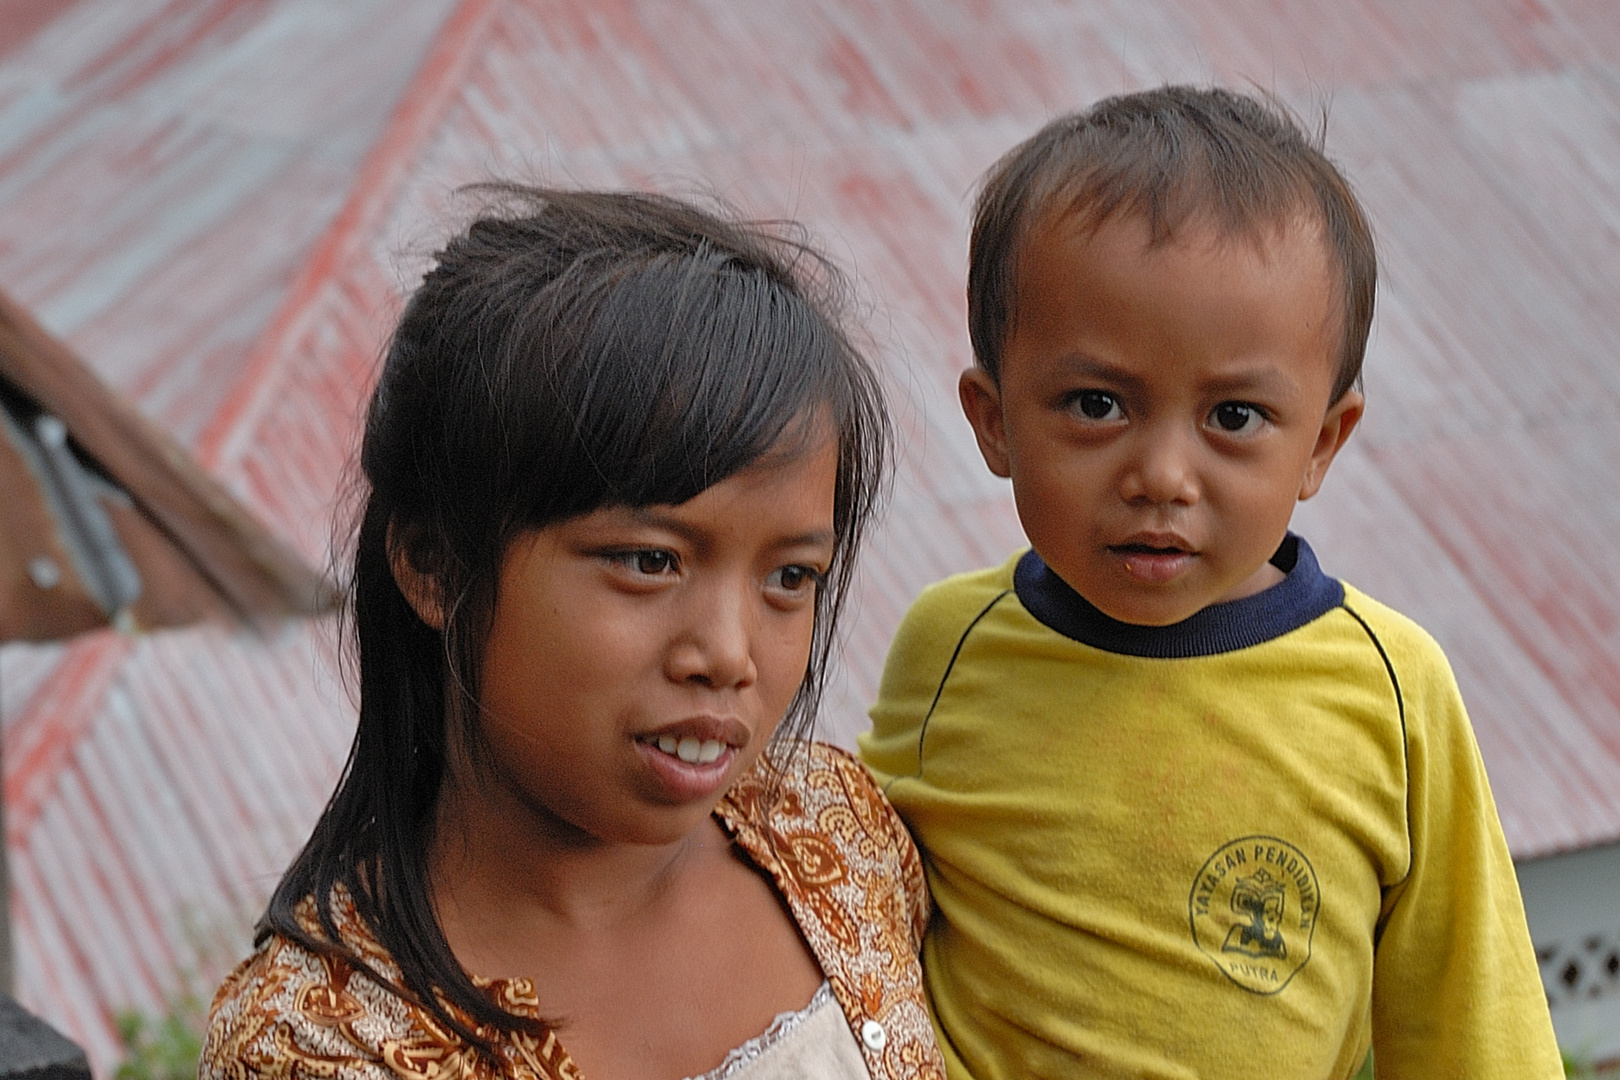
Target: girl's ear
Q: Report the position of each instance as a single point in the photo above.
(421, 590)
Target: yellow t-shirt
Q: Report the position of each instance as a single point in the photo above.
(1247, 845)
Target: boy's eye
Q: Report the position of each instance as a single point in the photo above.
(1096, 405)
(1236, 417)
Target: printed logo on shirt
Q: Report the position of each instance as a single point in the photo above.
(1253, 911)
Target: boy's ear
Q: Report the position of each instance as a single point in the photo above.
(421, 590)
(1341, 419)
(981, 401)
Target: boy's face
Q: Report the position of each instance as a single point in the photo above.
(1161, 409)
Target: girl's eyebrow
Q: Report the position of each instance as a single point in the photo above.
(817, 539)
(648, 515)
(655, 518)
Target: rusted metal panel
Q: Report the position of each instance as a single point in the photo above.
(166, 170)
(878, 154)
(248, 319)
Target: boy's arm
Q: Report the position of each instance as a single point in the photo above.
(890, 748)
(1456, 988)
(917, 661)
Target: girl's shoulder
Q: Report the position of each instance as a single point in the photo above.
(289, 1011)
(814, 820)
(813, 789)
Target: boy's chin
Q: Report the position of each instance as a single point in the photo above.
(1158, 608)
(1143, 608)
(1153, 616)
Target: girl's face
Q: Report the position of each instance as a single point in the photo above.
(639, 659)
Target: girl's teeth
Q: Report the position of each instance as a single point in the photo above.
(692, 750)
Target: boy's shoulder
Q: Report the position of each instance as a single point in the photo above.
(936, 622)
(1429, 702)
(1404, 642)
(952, 603)
(924, 649)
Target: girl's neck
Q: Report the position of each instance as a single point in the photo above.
(504, 878)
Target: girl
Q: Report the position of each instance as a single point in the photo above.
(619, 460)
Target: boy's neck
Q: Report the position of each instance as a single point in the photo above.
(1300, 594)
(1267, 575)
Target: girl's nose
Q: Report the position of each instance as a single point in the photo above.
(714, 647)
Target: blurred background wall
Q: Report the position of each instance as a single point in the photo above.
(219, 204)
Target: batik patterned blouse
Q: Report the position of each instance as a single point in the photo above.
(834, 848)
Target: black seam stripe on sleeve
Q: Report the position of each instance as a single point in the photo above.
(922, 733)
(1400, 706)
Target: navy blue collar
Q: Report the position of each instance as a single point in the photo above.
(1303, 596)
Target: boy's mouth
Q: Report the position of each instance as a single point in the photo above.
(1152, 563)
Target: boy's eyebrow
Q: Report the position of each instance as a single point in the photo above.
(1261, 378)
(1267, 379)
(1080, 365)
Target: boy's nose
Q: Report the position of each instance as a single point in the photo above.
(1160, 472)
(714, 646)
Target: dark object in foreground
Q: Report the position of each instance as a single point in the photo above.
(30, 1049)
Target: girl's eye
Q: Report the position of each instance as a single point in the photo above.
(649, 561)
(1097, 405)
(1237, 417)
(796, 578)
(654, 562)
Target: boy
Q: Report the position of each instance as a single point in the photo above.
(1190, 807)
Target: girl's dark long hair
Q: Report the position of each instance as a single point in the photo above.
(569, 351)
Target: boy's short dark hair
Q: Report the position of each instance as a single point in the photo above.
(1168, 154)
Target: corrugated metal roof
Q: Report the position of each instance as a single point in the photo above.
(168, 779)
(168, 169)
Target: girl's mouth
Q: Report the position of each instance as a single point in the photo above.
(693, 758)
(693, 751)
(687, 768)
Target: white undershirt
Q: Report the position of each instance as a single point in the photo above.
(812, 1043)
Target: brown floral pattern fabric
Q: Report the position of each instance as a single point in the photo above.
(837, 852)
